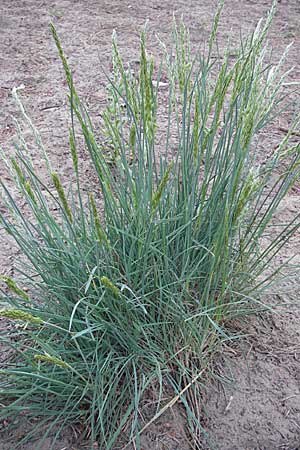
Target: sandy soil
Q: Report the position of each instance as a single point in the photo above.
(259, 406)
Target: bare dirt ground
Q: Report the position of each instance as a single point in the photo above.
(259, 407)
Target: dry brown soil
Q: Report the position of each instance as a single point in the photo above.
(259, 407)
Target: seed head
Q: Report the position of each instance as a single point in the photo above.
(17, 314)
(110, 286)
(51, 360)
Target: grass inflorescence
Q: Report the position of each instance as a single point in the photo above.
(132, 292)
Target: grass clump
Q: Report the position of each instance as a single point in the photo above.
(136, 298)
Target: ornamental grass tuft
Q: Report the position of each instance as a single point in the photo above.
(128, 289)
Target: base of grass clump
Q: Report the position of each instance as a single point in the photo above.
(134, 300)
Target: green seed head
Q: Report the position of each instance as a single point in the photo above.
(29, 191)
(61, 193)
(158, 194)
(101, 235)
(18, 170)
(51, 360)
(110, 286)
(251, 185)
(17, 314)
(11, 284)
(73, 150)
